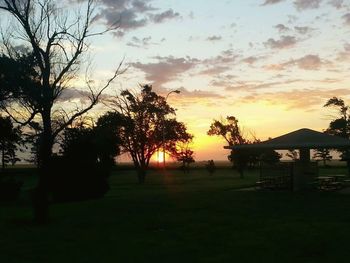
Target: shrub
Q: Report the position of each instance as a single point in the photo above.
(9, 189)
(74, 180)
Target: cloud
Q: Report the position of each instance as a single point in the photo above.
(219, 64)
(307, 62)
(344, 55)
(337, 3)
(250, 86)
(223, 81)
(282, 43)
(303, 30)
(227, 56)
(166, 15)
(140, 42)
(304, 99)
(210, 71)
(252, 59)
(272, 2)
(301, 5)
(306, 4)
(200, 94)
(68, 95)
(132, 14)
(166, 69)
(346, 18)
(275, 67)
(214, 38)
(281, 28)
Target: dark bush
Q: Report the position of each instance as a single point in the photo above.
(74, 180)
(9, 189)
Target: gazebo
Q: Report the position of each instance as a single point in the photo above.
(303, 140)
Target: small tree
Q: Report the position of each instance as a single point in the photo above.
(146, 126)
(340, 125)
(322, 154)
(210, 166)
(229, 130)
(10, 137)
(270, 156)
(183, 153)
(87, 158)
(293, 154)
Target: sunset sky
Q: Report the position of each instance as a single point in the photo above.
(271, 63)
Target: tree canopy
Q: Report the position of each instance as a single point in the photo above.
(148, 125)
(9, 140)
(54, 39)
(229, 130)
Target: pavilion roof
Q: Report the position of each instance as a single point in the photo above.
(299, 139)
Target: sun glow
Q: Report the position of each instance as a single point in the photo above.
(158, 157)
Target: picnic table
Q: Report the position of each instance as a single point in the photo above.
(331, 182)
(274, 182)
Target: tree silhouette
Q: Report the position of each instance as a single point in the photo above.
(87, 156)
(322, 154)
(340, 126)
(146, 126)
(210, 166)
(9, 139)
(270, 156)
(54, 39)
(232, 133)
(227, 129)
(293, 154)
(182, 153)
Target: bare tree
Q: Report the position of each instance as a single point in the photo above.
(55, 40)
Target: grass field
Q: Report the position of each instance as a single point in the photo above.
(182, 218)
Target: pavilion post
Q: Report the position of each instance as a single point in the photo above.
(303, 171)
(304, 155)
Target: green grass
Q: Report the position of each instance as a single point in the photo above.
(182, 218)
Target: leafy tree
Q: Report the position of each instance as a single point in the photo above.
(183, 153)
(229, 130)
(10, 137)
(322, 154)
(146, 126)
(293, 154)
(270, 156)
(107, 137)
(210, 166)
(340, 126)
(87, 158)
(54, 41)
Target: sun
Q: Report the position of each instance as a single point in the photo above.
(160, 157)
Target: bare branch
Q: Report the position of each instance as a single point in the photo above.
(94, 99)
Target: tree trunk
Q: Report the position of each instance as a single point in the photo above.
(141, 175)
(241, 172)
(3, 158)
(41, 194)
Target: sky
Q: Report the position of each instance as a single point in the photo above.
(272, 64)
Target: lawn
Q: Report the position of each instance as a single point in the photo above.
(182, 218)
